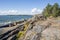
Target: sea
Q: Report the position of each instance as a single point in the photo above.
(5, 19)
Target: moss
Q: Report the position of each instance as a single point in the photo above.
(22, 33)
(26, 26)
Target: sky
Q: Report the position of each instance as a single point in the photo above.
(24, 7)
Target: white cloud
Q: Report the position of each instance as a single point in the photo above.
(14, 12)
(36, 11)
(8, 12)
(20, 12)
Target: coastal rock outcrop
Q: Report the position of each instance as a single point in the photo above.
(42, 29)
(35, 28)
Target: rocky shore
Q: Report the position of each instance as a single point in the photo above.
(35, 28)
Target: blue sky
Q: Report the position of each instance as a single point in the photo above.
(24, 7)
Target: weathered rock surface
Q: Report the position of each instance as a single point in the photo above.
(35, 28)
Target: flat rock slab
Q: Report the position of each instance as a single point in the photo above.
(4, 30)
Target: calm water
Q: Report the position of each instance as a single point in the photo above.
(10, 18)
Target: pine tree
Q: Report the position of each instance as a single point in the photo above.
(55, 10)
(47, 10)
(51, 10)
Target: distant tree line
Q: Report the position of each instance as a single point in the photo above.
(51, 10)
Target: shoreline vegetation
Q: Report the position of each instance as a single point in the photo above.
(45, 26)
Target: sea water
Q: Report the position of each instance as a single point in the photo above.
(11, 18)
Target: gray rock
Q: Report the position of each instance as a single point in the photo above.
(51, 34)
(32, 34)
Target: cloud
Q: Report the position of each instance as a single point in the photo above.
(36, 11)
(21, 12)
(15, 12)
(8, 12)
